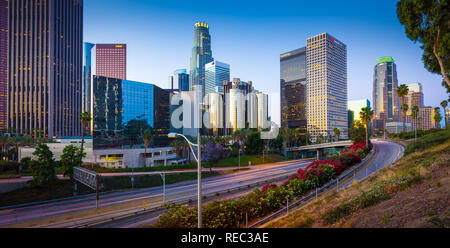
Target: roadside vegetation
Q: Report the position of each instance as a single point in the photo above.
(421, 175)
(260, 202)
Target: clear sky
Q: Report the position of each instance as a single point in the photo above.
(251, 35)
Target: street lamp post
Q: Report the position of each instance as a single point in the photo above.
(199, 169)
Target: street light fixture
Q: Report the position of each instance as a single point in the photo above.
(199, 171)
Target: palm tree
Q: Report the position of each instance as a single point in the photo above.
(146, 137)
(366, 115)
(337, 133)
(444, 106)
(85, 118)
(414, 112)
(437, 117)
(402, 91)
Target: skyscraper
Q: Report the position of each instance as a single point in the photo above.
(87, 76)
(216, 73)
(111, 60)
(123, 109)
(179, 81)
(415, 96)
(45, 67)
(385, 99)
(326, 90)
(293, 89)
(201, 55)
(3, 64)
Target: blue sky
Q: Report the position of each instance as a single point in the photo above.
(251, 35)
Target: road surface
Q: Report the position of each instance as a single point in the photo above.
(174, 192)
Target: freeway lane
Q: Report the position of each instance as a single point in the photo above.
(388, 153)
(182, 190)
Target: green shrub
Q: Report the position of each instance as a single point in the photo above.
(427, 141)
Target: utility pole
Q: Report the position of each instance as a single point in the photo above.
(199, 162)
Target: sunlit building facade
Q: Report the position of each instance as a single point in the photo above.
(216, 73)
(111, 60)
(385, 99)
(326, 87)
(293, 89)
(201, 55)
(45, 67)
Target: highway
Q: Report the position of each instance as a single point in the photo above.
(174, 192)
(388, 153)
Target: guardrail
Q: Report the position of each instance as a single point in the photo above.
(105, 218)
(318, 192)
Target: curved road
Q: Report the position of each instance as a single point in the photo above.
(174, 192)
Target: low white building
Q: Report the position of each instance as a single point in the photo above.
(110, 158)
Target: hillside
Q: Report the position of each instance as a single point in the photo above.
(413, 192)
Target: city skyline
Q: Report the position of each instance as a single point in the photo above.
(265, 39)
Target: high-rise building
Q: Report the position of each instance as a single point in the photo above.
(263, 108)
(123, 109)
(215, 112)
(425, 119)
(87, 76)
(45, 67)
(293, 89)
(201, 55)
(414, 97)
(326, 85)
(179, 81)
(385, 99)
(3, 64)
(252, 110)
(111, 60)
(216, 73)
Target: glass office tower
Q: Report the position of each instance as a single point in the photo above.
(201, 55)
(45, 67)
(326, 87)
(124, 109)
(216, 73)
(293, 89)
(179, 81)
(385, 99)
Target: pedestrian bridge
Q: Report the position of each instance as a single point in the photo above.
(319, 147)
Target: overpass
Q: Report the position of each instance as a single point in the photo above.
(320, 147)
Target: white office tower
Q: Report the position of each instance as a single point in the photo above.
(252, 110)
(236, 111)
(326, 91)
(215, 105)
(215, 74)
(263, 108)
(415, 87)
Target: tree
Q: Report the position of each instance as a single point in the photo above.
(254, 143)
(437, 117)
(43, 168)
(444, 106)
(366, 115)
(72, 156)
(337, 133)
(414, 113)
(402, 91)
(85, 118)
(147, 138)
(133, 130)
(427, 22)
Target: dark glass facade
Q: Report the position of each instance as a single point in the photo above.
(201, 55)
(45, 67)
(179, 81)
(293, 89)
(124, 109)
(3, 64)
